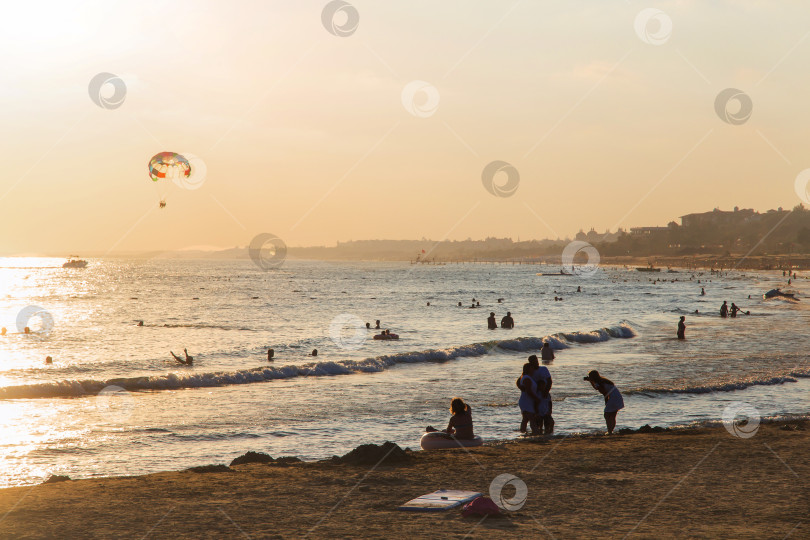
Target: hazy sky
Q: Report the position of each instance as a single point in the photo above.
(304, 133)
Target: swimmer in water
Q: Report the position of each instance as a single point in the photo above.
(315, 351)
(492, 324)
(459, 304)
(48, 360)
(547, 353)
(187, 362)
(140, 323)
(3, 331)
(377, 322)
(270, 354)
(702, 291)
(368, 326)
(508, 321)
(734, 310)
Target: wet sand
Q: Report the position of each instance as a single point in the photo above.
(691, 483)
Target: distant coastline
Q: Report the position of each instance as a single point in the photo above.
(741, 238)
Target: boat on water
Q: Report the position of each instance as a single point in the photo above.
(74, 262)
(777, 293)
(558, 274)
(649, 268)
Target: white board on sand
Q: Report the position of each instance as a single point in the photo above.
(442, 499)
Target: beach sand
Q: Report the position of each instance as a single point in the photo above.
(689, 483)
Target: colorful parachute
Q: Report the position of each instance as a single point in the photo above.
(169, 165)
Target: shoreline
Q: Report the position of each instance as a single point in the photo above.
(683, 482)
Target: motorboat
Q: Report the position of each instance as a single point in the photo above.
(74, 262)
(777, 293)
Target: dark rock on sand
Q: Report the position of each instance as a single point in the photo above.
(209, 469)
(372, 454)
(647, 429)
(252, 457)
(56, 478)
(287, 460)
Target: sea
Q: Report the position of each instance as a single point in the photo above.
(114, 402)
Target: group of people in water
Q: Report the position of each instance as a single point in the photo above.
(725, 312)
(385, 334)
(506, 322)
(535, 401)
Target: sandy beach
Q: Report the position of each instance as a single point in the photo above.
(689, 483)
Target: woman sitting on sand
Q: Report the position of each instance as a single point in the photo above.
(461, 424)
(613, 398)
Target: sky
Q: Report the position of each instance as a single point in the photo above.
(314, 129)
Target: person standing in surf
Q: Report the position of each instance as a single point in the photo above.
(529, 399)
(542, 377)
(508, 321)
(613, 398)
(682, 328)
(492, 324)
(724, 309)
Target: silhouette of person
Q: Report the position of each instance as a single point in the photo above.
(188, 360)
(724, 309)
(547, 353)
(270, 354)
(682, 328)
(508, 321)
(491, 323)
